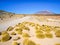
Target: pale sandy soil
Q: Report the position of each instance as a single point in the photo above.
(14, 21)
(46, 41)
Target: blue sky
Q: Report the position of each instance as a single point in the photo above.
(30, 6)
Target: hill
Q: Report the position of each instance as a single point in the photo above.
(44, 12)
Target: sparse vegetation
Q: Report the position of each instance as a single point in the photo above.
(13, 33)
(15, 43)
(10, 28)
(49, 35)
(25, 35)
(5, 37)
(57, 33)
(28, 42)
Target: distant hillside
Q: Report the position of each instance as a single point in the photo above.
(5, 14)
(44, 12)
(2, 12)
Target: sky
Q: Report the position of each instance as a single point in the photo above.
(30, 6)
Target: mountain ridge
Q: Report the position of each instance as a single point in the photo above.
(44, 12)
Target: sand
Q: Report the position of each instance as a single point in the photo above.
(46, 41)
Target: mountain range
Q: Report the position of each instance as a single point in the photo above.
(38, 12)
(44, 12)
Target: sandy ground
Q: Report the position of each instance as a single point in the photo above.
(14, 21)
(3, 26)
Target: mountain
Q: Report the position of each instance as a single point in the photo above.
(44, 12)
(5, 14)
(2, 12)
